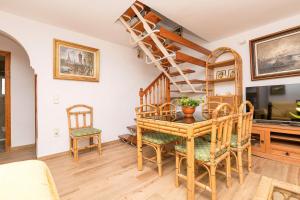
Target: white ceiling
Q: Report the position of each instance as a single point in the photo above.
(209, 19)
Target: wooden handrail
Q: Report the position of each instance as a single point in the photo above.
(157, 93)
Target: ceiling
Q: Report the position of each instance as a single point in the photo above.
(209, 19)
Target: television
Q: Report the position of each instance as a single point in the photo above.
(275, 103)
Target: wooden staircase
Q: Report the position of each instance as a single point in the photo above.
(162, 48)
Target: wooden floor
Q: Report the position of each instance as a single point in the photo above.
(114, 176)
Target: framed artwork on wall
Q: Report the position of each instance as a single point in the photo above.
(75, 62)
(276, 55)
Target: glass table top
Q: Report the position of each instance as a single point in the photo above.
(179, 118)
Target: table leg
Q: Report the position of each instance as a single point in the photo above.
(190, 166)
(139, 148)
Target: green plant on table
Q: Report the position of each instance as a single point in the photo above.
(188, 102)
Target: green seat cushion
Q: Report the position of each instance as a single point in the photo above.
(233, 142)
(85, 131)
(202, 150)
(159, 138)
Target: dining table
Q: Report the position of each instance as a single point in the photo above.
(178, 125)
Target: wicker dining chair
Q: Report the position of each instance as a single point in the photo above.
(157, 140)
(210, 154)
(80, 122)
(241, 141)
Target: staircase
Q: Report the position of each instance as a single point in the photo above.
(170, 53)
(162, 48)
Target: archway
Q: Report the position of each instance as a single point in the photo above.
(18, 89)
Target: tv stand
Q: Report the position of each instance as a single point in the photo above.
(276, 141)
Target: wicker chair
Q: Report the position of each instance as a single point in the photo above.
(80, 121)
(156, 140)
(241, 141)
(210, 154)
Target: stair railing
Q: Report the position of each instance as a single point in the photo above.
(157, 93)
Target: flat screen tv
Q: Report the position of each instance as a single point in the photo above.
(276, 103)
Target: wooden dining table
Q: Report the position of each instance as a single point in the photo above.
(187, 128)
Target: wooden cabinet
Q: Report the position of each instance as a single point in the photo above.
(258, 140)
(276, 142)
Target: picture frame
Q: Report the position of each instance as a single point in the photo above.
(275, 55)
(75, 62)
(231, 73)
(220, 74)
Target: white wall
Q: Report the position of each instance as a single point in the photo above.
(22, 94)
(113, 98)
(240, 43)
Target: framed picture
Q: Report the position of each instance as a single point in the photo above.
(75, 62)
(221, 74)
(277, 90)
(231, 73)
(276, 55)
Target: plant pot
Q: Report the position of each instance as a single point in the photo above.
(188, 111)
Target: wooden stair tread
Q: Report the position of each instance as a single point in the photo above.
(170, 47)
(180, 40)
(185, 71)
(150, 16)
(190, 59)
(166, 63)
(129, 13)
(193, 81)
(222, 63)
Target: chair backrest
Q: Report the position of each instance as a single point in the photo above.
(244, 125)
(80, 116)
(167, 109)
(208, 108)
(147, 110)
(222, 120)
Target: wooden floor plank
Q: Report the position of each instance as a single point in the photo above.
(114, 176)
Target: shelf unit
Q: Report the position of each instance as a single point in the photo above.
(234, 63)
(276, 142)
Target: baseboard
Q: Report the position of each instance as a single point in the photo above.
(67, 152)
(23, 147)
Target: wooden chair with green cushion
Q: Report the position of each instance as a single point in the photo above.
(241, 141)
(80, 122)
(210, 154)
(158, 141)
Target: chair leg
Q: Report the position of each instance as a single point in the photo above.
(75, 149)
(99, 144)
(228, 170)
(249, 159)
(91, 142)
(71, 146)
(213, 183)
(240, 165)
(177, 170)
(159, 161)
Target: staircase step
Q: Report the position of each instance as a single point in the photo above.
(166, 63)
(180, 40)
(190, 59)
(185, 71)
(138, 27)
(222, 63)
(170, 47)
(129, 13)
(193, 81)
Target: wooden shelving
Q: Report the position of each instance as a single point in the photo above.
(222, 80)
(235, 64)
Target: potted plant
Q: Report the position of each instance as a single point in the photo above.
(188, 105)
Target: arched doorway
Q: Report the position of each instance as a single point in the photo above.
(17, 98)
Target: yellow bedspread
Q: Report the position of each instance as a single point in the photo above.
(27, 180)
